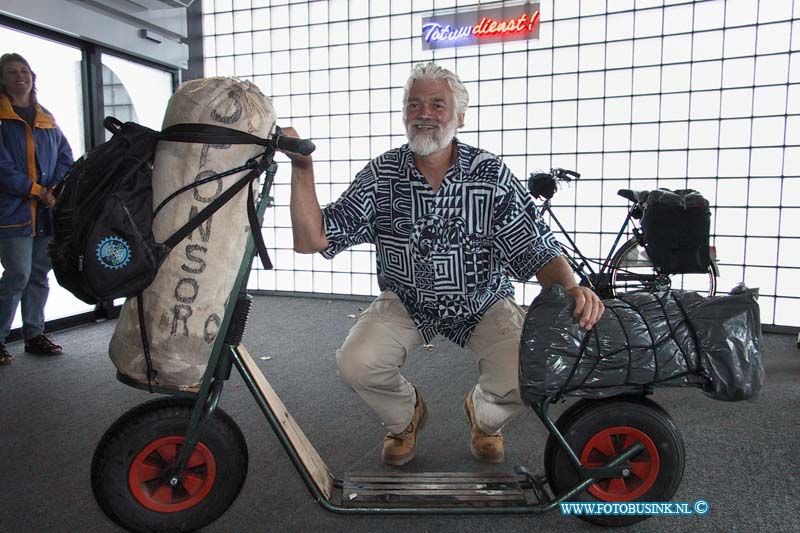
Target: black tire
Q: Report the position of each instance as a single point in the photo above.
(631, 270)
(574, 411)
(131, 458)
(657, 471)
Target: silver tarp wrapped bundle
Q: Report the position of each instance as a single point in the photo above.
(644, 339)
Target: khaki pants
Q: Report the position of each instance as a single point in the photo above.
(369, 362)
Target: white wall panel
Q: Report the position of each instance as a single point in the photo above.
(636, 94)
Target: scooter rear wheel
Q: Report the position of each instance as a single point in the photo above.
(599, 429)
(131, 468)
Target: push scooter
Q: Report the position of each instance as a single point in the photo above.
(178, 462)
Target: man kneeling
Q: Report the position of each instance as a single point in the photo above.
(451, 225)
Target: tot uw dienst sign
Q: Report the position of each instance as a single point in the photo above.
(466, 28)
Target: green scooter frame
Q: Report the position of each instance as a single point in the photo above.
(177, 463)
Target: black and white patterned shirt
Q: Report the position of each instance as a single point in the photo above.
(447, 254)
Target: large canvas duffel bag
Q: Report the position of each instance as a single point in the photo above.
(185, 304)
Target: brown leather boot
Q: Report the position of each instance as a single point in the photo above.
(42, 345)
(484, 447)
(400, 448)
(5, 357)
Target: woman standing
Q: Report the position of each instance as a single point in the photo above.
(34, 156)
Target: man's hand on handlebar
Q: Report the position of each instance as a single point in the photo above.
(303, 161)
(588, 306)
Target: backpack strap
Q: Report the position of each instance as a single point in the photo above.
(151, 373)
(198, 183)
(209, 134)
(255, 228)
(255, 231)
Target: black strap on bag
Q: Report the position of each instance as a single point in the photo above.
(207, 133)
(255, 230)
(258, 168)
(148, 360)
(198, 183)
(211, 134)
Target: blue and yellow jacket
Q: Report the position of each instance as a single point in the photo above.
(29, 160)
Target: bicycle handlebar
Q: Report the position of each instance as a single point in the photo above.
(562, 174)
(543, 184)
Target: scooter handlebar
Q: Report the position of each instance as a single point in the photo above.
(293, 144)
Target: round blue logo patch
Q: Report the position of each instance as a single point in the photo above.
(113, 253)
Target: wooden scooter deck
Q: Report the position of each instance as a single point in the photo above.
(317, 468)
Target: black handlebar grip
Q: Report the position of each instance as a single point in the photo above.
(293, 144)
(563, 174)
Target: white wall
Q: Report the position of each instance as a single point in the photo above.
(635, 94)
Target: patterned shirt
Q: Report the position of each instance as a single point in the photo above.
(448, 254)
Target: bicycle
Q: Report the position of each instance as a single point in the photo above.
(627, 267)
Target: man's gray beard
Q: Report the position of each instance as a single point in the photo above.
(425, 145)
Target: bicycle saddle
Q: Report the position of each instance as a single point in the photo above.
(633, 196)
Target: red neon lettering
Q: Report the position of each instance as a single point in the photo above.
(487, 26)
(534, 21)
(482, 27)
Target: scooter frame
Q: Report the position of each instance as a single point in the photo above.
(484, 492)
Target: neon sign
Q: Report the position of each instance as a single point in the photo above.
(488, 26)
(433, 31)
(476, 27)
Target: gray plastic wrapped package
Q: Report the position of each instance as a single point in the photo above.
(729, 331)
(644, 339)
(184, 306)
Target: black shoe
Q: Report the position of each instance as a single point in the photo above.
(5, 357)
(42, 345)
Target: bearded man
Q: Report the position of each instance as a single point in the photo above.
(451, 225)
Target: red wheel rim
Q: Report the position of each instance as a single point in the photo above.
(644, 467)
(148, 477)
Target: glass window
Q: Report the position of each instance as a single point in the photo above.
(140, 90)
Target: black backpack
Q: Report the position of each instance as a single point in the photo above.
(676, 227)
(103, 246)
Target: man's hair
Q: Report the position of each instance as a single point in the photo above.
(432, 71)
(14, 57)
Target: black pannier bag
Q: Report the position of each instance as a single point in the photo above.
(671, 338)
(676, 227)
(103, 246)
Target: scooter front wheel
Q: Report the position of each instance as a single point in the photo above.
(600, 429)
(132, 476)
